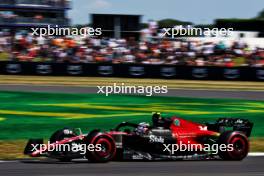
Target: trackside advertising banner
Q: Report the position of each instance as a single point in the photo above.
(133, 71)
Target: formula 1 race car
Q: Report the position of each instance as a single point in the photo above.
(226, 139)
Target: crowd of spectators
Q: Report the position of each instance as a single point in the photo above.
(26, 48)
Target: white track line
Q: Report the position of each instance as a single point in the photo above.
(13, 161)
(256, 154)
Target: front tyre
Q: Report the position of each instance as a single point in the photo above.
(239, 142)
(59, 135)
(104, 147)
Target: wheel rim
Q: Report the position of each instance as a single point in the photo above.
(106, 148)
(240, 147)
(238, 144)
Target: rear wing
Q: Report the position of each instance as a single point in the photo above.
(236, 124)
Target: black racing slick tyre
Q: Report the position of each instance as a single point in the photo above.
(104, 147)
(239, 143)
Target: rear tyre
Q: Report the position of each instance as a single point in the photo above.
(104, 147)
(240, 145)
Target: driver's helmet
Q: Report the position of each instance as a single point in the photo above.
(142, 128)
(156, 117)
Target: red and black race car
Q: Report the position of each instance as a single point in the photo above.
(167, 139)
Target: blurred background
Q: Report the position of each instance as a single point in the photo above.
(133, 38)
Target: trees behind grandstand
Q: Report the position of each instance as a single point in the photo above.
(261, 15)
(172, 22)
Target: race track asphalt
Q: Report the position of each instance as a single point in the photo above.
(251, 166)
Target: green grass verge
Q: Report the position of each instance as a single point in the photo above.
(33, 115)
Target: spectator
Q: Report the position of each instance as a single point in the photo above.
(28, 48)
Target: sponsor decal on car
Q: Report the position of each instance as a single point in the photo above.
(153, 138)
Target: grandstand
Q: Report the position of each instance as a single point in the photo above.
(33, 13)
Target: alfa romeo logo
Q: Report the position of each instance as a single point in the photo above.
(13, 68)
(199, 72)
(168, 71)
(43, 69)
(136, 71)
(105, 70)
(231, 73)
(74, 69)
(260, 74)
